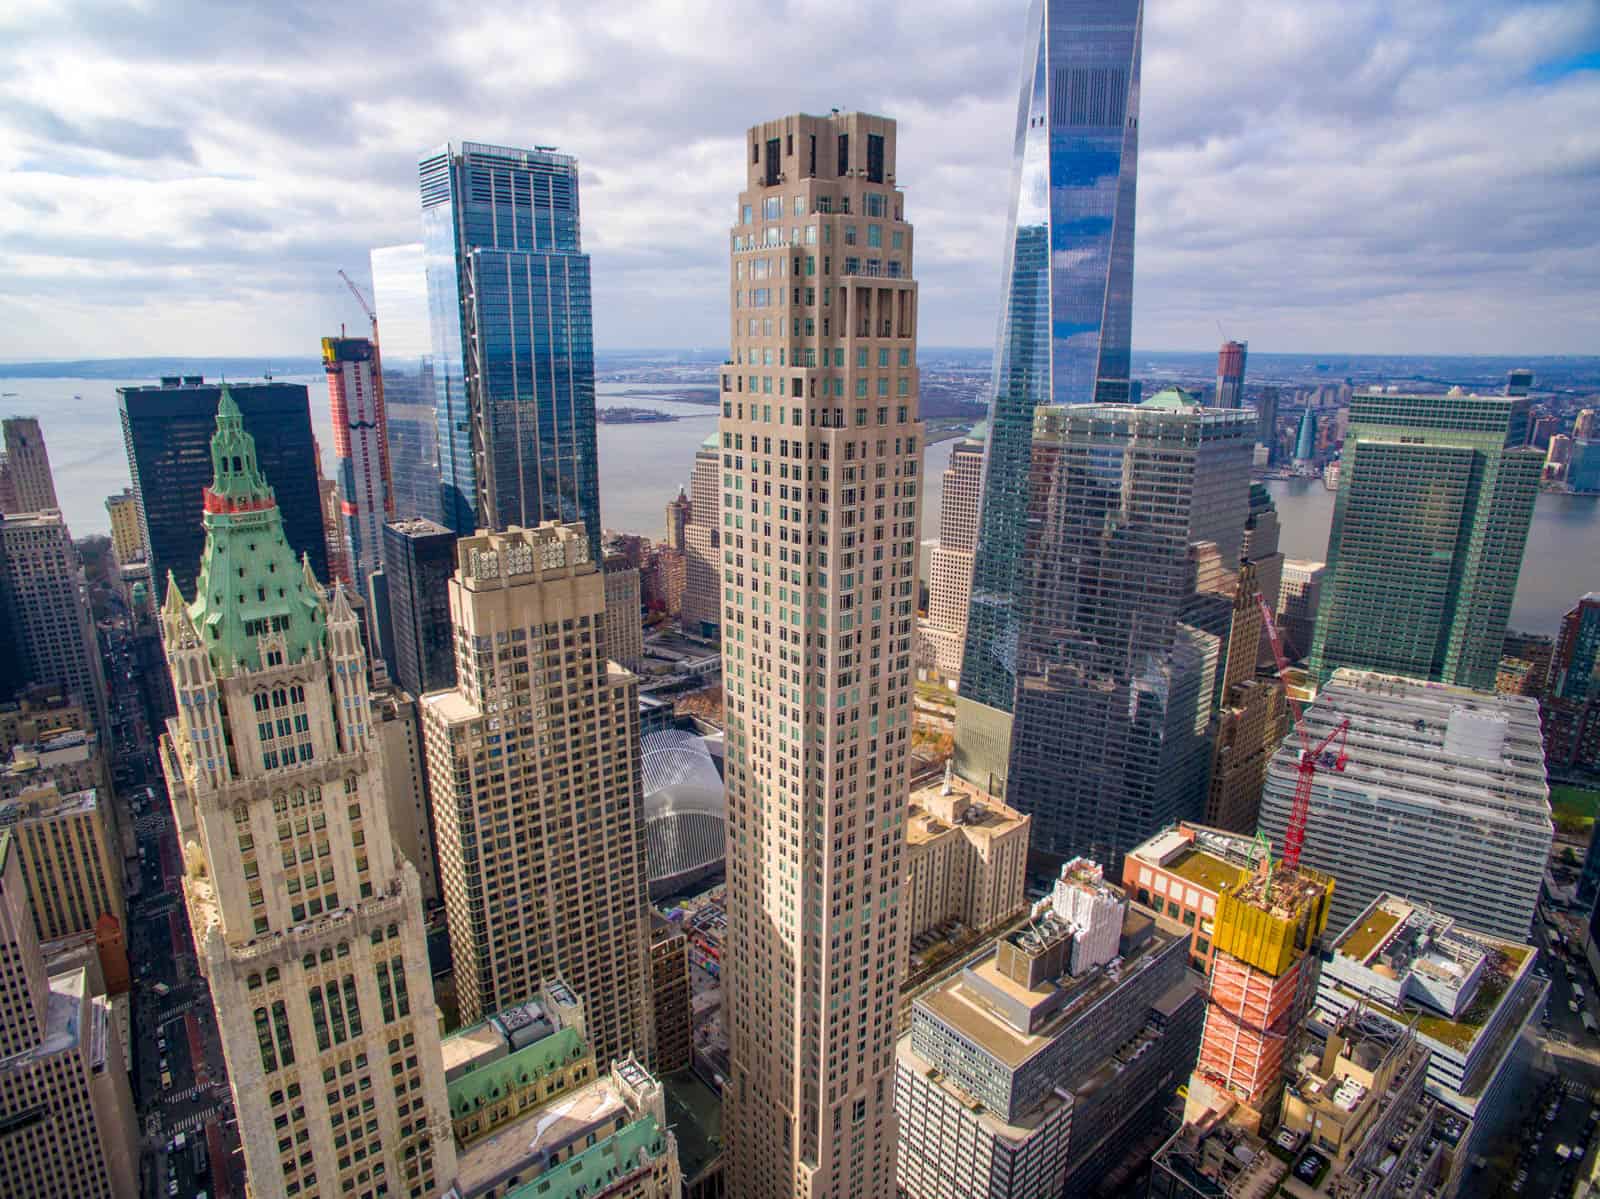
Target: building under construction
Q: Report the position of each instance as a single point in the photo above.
(1263, 982)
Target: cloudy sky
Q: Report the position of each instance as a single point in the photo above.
(1317, 175)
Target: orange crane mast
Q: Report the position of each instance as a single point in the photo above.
(1329, 752)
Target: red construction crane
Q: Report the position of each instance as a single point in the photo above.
(1329, 752)
(377, 383)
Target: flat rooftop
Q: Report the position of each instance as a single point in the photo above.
(694, 1114)
(537, 1131)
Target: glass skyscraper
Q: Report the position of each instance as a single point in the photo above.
(513, 341)
(1435, 498)
(400, 290)
(1067, 304)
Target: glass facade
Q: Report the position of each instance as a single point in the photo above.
(1435, 499)
(400, 291)
(1067, 308)
(512, 332)
(419, 558)
(167, 430)
(1115, 676)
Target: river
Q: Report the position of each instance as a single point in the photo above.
(642, 466)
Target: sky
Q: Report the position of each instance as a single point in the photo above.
(1315, 175)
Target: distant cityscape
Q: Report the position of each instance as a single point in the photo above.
(819, 767)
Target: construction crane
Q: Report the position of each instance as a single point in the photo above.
(1328, 753)
(377, 387)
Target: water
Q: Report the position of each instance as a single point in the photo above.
(642, 466)
(1561, 563)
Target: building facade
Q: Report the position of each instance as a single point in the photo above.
(70, 863)
(400, 291)
(513, 339)
(1066, 293)
(701, 605)
(1298, 600)
(1442, 797)
(420, 558)
(624, 619)
(671, 995)
(1570, 711)
(966, 859)
(399, 733)
(533, 771)
(361, 447)
(52, 631)
(944, 632)
(307, 922)
(1106, 740)
(123, 511)
(26, 484)
(167, 430)
(1230, 374)
(1030, 1073)
(821, 449)
(70, 1127)
(1427, 597)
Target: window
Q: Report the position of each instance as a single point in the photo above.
(844, 154)
(874, 157)
(875, 235)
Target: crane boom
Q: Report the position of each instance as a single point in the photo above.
(372, 315)
(1294, 836)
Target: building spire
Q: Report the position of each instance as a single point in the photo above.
(236, 482)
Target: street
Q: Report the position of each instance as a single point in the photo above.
(179, 1081)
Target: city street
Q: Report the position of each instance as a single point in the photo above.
(179, 1081)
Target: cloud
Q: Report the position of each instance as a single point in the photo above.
(1325, 175)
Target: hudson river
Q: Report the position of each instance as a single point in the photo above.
(641, 467)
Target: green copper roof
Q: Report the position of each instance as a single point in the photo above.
(588, 1172)
(493, 1080)
(1172, 397)
(249, 583)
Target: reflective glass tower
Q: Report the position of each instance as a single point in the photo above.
(1067, 305)
(513, 341)
(400, 290)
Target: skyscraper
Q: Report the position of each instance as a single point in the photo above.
(819, 557)
(533, 769)
(513, 342)
(1571, 705)
(1230, 374)
(361, 445)
(1067, 288)
(702, 541)
(400, 291)
(1115, 681)
(307, 922)
(51, 628)
(420, 558)
(944, 632)
(70, 1128)
(1267, 423)
(26, 484)
(167, 430)
(126, 541)
(1429, 526)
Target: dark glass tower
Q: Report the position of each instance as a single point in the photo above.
(513, 340)
(419, 557)
(400, 290)
(1117, 664)
(1067, 303)
(167, 429)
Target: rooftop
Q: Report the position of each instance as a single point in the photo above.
(694, 1114)
(939, 807)
(553, 1125)
(490, 1080)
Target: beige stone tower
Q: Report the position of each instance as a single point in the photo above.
(821, 458)
(307, 921)
(534, 776)
(943, 635)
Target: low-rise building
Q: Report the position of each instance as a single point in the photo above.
(534, 1117)
(1357, 1124)
(70, 759)
(1469, 995)
(966, 861)
(1031, 1072)
(1179, 873)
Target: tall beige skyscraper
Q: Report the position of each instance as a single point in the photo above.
(943, 635)
(533, 767)
(821, 455)
(307, 921)
(702, 543)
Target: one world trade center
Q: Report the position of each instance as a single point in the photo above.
(1065, 318)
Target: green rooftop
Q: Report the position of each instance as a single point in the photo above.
(1376, 925)
(1204, 871)
(1174, 398)
(250, 585)
(496, 1079)
(587, 1173)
